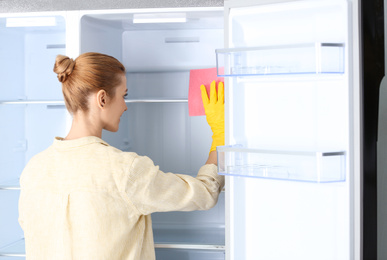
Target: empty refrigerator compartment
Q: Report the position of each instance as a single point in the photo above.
(205, 237)
(194, 230)
(25, 136)
(170, 50)
(29, 46)
(309, 166)
(10, 229)
(308, 58)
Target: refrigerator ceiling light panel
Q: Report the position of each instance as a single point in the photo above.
(30, 21)
(160, 18)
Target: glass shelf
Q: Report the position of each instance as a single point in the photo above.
(308, 166)
(188, 254)
(157, 100)
(308, 58)
(32, 102)
(191, 246)
(15, 249)
(61, 104)
(10, 185)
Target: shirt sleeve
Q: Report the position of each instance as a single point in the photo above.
(152, 190)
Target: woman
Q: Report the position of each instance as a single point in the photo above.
(83, 199)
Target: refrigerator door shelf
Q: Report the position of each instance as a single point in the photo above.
(307, 58)
(304, 166)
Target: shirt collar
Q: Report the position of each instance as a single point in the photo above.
(61, 143)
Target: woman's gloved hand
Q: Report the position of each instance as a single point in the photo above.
(214, 109)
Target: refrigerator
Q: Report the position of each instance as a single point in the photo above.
(158, 58)
(300, 95)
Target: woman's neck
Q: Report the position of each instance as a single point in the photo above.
(83, 125)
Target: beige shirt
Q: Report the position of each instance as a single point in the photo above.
(83, 199)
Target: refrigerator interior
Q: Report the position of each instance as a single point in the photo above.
(285, 99)
(31, 108)
(158, 58)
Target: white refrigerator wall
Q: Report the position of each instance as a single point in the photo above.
(274, 219)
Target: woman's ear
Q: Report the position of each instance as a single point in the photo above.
(101, 98)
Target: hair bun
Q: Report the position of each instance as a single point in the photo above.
(63, 67)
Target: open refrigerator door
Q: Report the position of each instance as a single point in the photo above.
(292, 130)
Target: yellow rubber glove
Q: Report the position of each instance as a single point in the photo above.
(214, 109)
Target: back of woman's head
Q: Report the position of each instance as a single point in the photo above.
(89, 73)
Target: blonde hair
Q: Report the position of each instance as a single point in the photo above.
(88, 73)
